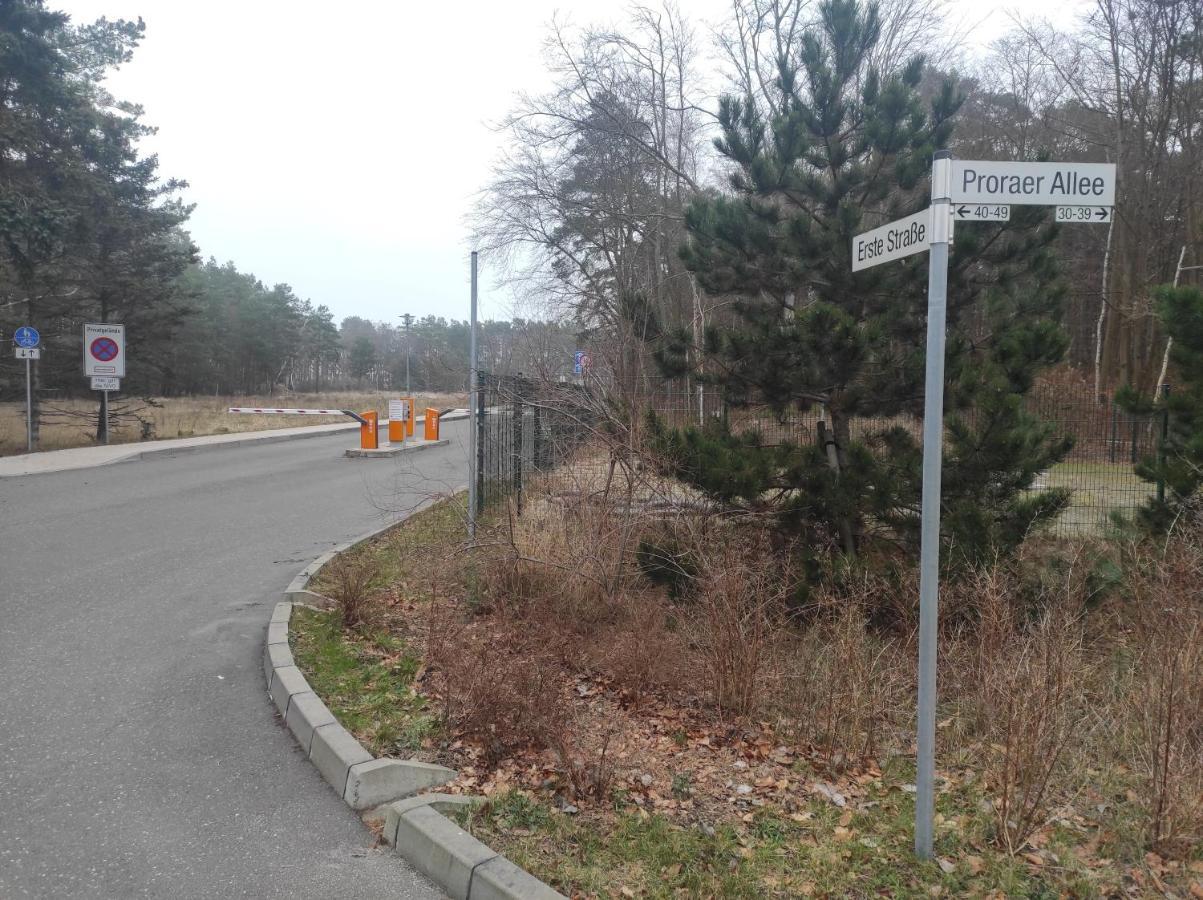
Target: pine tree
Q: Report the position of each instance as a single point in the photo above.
(840, 148)
(1177, 468)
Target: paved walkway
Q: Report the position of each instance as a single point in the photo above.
(139, 754)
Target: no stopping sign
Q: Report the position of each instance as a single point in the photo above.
(104, 350)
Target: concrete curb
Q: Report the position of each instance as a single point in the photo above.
(390, 452)
(460, 864)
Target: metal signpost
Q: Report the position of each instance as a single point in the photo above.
(972, 190)
(104, 358)
(473, 412)
(27, 339)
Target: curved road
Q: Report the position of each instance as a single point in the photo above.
(139, 754)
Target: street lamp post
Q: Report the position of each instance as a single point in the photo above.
(408, 319)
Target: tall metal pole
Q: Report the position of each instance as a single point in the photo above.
(408, 320)
(28, 406)
(473, 411)
(933, 455)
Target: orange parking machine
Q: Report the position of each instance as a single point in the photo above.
(369, 438)
(432, 424)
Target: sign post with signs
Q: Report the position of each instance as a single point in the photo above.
(27, 339)
(104, 359)
(969, 190)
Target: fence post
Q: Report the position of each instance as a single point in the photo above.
(1135, 435)
(1165, 434)
(517, 449)
(479, 425)
(537, 438)
(1114, 433)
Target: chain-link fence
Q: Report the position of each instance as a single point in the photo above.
(527, 426)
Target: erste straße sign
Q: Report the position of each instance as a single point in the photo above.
(899, 238)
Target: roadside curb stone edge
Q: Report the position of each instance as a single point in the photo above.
(414, 825)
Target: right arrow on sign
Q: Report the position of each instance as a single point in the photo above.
(1097, 214)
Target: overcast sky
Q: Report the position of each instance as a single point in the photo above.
(337, 147)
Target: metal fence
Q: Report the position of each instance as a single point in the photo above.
(527, 427)
(524, 428)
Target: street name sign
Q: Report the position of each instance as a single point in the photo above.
(105, 383)
(979, 212)
(1033, 183)
(900, 238)
(1095, 214)
(29, 353)
(104, 350)
(26, 336)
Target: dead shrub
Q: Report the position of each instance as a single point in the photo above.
(585, 777)
(735, 601)
(1166, 702)
(351, 581)
(1033, 692)
(848, 686)
(498, 689)
(642, 649)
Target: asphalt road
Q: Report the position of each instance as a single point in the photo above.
(139, 754)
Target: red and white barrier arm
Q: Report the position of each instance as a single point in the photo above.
(263, 410)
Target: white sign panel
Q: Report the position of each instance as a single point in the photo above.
(398, 410)
(106, 383)
(978, 212)
(1100, 214)
(29, 353)
(1033, 183)
(104, 350)
(902, 237)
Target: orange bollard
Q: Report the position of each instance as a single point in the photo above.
(369, 439)
(409, 420)
(432, 424)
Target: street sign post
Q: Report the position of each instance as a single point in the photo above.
(897, 239)
(1099, 215)
(981, 212)
(104, 356)
(27, 339)
(580, 362)
(969, 190)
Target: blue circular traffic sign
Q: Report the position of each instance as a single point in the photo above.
(25, 336)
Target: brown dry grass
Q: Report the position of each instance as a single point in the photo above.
(178, 417)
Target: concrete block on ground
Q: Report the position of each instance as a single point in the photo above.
(305, 713)
(285, 683)
(443, 803)
(333, 751)
(282, 612)
(381, 780)
(394, 449)
(308, 598)
(500, 879)
(275, 656)
(441, 850)
(277, 633)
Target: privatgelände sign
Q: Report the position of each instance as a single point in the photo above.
(1033, 183)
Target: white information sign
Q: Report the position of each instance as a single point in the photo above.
(105, 383)
(29, 353)
(104, 350)
(1033, 183)
(1097, 214)
(979, 212)
(398, 410)
(902, 237)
